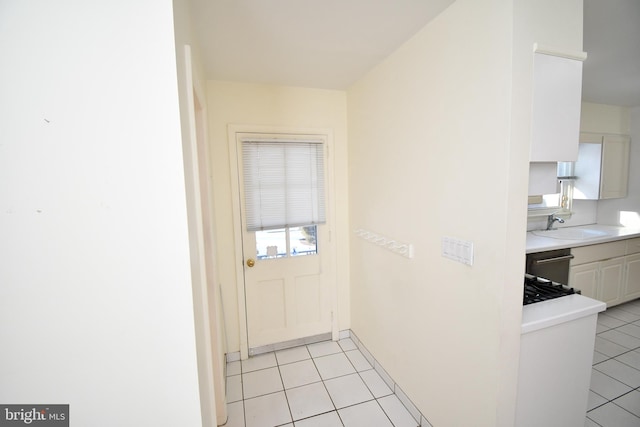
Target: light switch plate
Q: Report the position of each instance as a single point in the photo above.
(457, 250)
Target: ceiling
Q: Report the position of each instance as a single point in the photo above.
(612, 42)
(330, 44)
(325, 44)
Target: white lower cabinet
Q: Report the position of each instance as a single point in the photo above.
(556, 357)
(585, 278)
(608, 272)
(602, 280)
(632, 280)
(611, 281)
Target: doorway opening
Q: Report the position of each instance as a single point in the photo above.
(281, 182)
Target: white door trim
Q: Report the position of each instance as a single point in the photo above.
(208, 343)
(232, 131)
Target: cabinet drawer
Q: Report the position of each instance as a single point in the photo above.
(633, 246)
(603, 251)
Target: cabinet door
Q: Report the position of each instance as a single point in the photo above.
(588, 167)
(557, 93)
(632, 278)
(615, 167)
(585, 278)
(611, 280)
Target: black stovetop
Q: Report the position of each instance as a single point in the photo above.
(537, 289)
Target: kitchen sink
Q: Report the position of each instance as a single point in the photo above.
(570, 233)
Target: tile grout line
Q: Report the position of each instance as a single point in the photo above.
(244, 407)
(622, 363)
(284, 390)
(625, 409)
(628, 349)
(622, 332)
(612, 402)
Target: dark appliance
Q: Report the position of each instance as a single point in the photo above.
(537, 289)
(552, 265)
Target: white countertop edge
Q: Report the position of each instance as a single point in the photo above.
(559, 310)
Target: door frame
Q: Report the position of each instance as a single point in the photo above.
(209, 348)
(232, 134)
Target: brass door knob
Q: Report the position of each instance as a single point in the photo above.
(250, 262)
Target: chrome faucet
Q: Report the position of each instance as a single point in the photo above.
(551, 219)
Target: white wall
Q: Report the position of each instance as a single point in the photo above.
(96, 304)
(439, 146)
(602, 118)
(276, 106)
(429, 156)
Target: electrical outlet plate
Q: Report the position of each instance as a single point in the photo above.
(458, 250)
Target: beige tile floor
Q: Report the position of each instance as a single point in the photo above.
(325, 384)
(331, 384)
(614, 398)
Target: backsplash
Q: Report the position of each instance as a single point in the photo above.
(584, 213)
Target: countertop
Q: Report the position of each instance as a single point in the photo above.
(559, 310)
(611, 233)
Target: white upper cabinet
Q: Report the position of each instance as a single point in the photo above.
(614, 174)
(602, 169)
(557, 92)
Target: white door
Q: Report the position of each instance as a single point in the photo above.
(287, 294)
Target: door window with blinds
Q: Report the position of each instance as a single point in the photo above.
(284, 191)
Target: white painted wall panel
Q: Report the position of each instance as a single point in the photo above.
(95, 303)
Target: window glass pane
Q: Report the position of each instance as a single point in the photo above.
(271, 244)
(302, 240)
(561, 201)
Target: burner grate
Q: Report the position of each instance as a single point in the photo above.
(537, 289)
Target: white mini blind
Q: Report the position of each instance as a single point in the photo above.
(283, 183)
